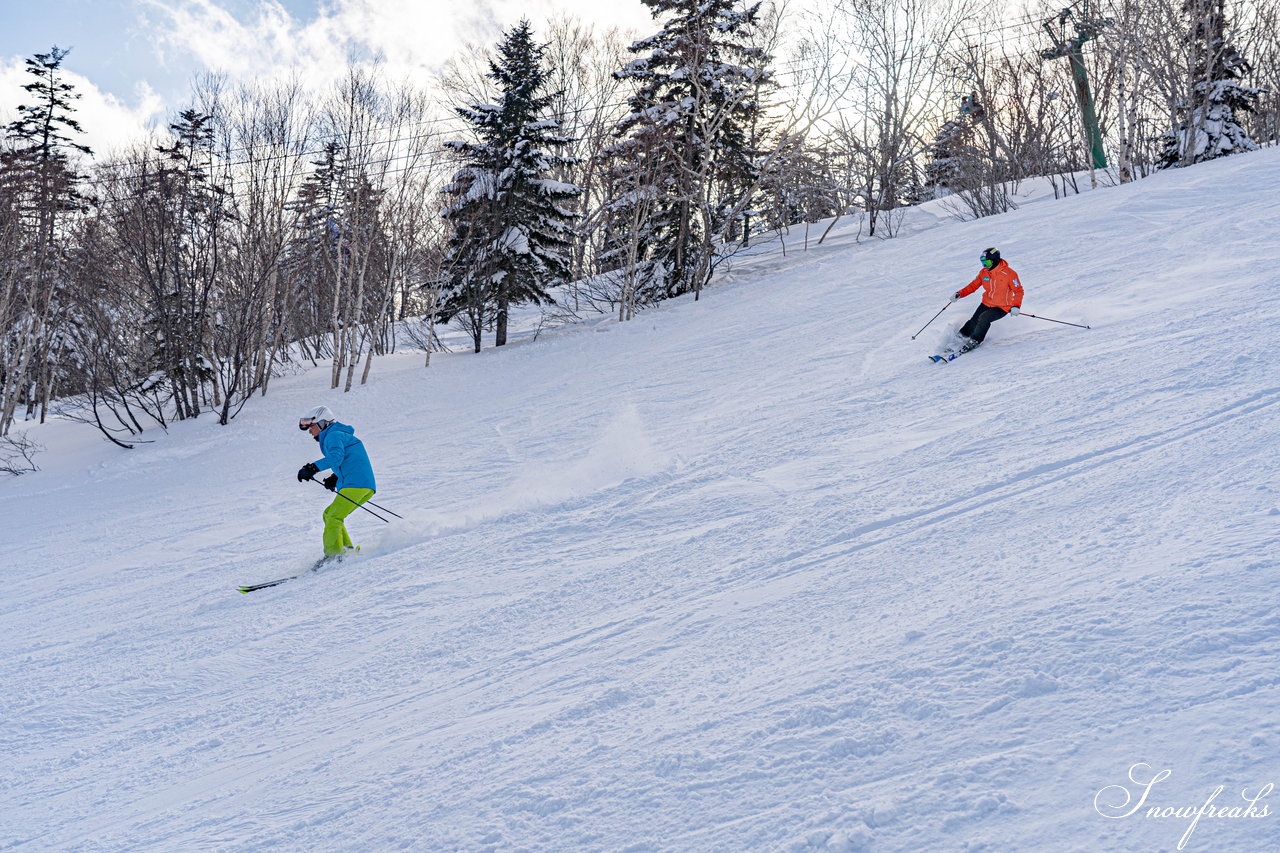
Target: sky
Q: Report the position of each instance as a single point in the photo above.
(133, 60)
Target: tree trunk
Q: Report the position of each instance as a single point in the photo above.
(504, 304)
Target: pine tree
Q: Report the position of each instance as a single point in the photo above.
(40, 134)
(336, 258)
(944, 165)
(512, 232)
(1207, 128)
(685, 167)
(170, 230)
(39, 173)
(315, 254)
(947, 152)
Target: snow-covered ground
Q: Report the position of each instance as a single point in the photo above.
(748, 573)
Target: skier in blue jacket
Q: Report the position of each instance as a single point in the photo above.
(352, 477)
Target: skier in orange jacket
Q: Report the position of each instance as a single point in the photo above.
(1001, 297)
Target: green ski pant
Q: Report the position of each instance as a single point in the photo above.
(336, 538)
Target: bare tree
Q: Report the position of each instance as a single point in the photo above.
(262, 134)
(17, 454)
(900, 83)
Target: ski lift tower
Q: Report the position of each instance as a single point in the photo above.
(1086, 27)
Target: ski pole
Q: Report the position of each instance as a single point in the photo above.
(370, 503)
(362, 506)
(1051, 320)
(384, 509)
(935, 316)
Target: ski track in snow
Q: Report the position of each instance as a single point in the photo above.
(743, 574)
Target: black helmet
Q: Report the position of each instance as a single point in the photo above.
(990, 257)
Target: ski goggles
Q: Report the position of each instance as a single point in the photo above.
(306, 425)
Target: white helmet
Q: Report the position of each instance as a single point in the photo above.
(320, 416)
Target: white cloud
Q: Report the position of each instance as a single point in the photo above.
(413, 39)
(202, 35)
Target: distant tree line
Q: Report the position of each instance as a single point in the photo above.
(576, 169)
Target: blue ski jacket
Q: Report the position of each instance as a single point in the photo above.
(345, 455)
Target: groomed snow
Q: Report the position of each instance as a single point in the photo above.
(747, 573)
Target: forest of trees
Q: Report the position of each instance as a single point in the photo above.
(580, 169)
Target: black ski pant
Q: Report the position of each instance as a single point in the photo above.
(976, 328)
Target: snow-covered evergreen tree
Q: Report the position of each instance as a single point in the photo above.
(797, 186)
(40, 181)
(512, 232)
(315, 251)
(944, 165)
(946, 152)
(181, 207)
(683, 172)
(1207, 126)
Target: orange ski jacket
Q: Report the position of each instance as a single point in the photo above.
(1000, 285)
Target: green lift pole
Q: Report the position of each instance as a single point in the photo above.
(1072, 48)
(1085, 97)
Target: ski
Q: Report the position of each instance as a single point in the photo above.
(952, 356)
(322, 563)
(256, 586)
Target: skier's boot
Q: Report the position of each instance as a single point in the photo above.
(968, 345)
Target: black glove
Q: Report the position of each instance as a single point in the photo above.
(306, 472)
(331, 482)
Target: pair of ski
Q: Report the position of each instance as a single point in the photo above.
(950, 356)
(254, 587)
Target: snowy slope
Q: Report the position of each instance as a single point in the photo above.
(743, 574)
